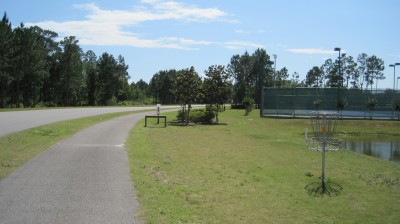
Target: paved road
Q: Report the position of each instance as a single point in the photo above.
(15, 121)
(83, 179)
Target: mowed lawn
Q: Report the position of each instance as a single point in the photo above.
(254, 170)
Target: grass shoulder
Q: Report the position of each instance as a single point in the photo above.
(254, 170)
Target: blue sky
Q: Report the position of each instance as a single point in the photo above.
(155, 35)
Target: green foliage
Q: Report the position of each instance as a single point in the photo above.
(187, 86)
(248, 104)
(203, 116)
(160, 86)
(355, 75)
(113, 80)
(73, 86)
(281, 76)
(37, 70)
(314, 77)
(92, 79)
(217, 86)
(375, 67)
(187, 89)
(181, 116)
(237, 106)
(251, 74)
(371, 104)
(6, 51)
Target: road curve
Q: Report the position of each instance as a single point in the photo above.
(83, 179)
(14, 121)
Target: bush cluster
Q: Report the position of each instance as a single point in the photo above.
(237, 107)
(202, 116)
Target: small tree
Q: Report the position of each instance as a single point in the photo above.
(341, 104)
(370, 105)
(317, 103)
(217, 87)
(187, 90)
(248, 105)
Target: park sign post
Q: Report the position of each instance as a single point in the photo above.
(158, 109)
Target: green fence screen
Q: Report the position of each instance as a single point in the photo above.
(296, 102)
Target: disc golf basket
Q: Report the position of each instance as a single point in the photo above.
(323, 128)
(321, 139)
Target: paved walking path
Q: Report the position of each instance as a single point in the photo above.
(83, 179)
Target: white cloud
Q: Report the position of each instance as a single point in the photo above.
(242, 31)
(176, 10)
(236, 45)
(311, 51)
(108, 27)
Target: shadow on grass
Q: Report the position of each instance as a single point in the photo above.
(316, 189)
(183, 124)
(155, 126)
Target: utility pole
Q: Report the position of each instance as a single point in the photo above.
(275, 56)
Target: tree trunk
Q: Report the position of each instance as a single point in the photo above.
(216, 114)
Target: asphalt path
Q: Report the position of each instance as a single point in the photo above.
(82, 179)
(14, 121)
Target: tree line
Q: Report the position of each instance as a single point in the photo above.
(348, 72)
(35, 69)
(38, 70)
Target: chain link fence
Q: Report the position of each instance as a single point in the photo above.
(351, 103)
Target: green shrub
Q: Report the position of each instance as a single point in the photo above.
(181, 116)
(202, 116)
(248, 104)
(371, 103)
(197, 116)
(211, 108)
(237, 106)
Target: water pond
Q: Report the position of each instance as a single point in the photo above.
(383, 148)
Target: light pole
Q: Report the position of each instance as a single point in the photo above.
(394, 72)
(338, 49)
(398, 83)
(275, 56)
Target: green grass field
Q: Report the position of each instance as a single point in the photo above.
(255, 170)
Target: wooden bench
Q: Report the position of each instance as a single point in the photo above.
(158, 119)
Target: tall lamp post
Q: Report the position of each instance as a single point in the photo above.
(394, 73)
(338, 49)
(398, 82)
(275, 56)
